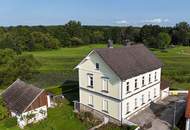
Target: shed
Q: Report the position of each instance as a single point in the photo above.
(26, 102)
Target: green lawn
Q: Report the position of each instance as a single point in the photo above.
(57, 65)
(59, 118)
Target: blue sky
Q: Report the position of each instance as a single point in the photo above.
(94, 12)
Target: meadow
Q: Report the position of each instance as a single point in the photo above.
(57, 65)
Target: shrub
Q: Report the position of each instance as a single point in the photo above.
(10, 122)
(3, 110)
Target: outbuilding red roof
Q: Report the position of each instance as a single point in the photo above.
(187, 112)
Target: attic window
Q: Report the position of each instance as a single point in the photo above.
(97, 66)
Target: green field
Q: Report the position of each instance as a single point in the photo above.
(57, 65)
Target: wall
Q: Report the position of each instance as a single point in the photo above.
(187, 124)
(89, 66)
(142, 90)
(164, 93)
(113, 105)
(40, 101)
(22, 119)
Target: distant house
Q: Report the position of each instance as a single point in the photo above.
(164, 87)
(187, 112)
(119, 82)
(26, 102)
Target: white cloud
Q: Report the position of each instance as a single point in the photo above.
(121, 22)
(156, 21)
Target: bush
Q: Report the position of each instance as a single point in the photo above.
(3, 110)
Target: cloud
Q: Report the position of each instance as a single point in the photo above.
(121, 22)
(156, 21)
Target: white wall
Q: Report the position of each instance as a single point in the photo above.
(131, 100)
(89, 66)
(142, 90)
(187, 124)
(23, 121)
(165, 93)
(113, 106)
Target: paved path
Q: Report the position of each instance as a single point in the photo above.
(159, 116)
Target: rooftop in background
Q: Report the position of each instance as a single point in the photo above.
(187, 112)
(130, 61)
(20, 95)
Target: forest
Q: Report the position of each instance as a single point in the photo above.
(73, 33)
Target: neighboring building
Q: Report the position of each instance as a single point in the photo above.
(187, 112)
(164, 87)
(118, 82)
(26, 102)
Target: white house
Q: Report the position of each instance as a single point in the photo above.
(119, 82)
(26, 102)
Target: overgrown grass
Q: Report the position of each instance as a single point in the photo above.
(57, 65)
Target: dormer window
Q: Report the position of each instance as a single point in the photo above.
(97, 66)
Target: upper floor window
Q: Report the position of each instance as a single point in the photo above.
(105, 106)
(97, 66)
(90, 100)
(136, 84)
(149, 78)
(135, 103)
(142, 99)
(127, 87)
(155, 76)
(105, 82)
(127, 108)
(143, 81)
(90, 80)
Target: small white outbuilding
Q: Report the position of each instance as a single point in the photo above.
(26, 102)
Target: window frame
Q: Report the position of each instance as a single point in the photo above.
(90, 80)
(97, 66)
(127, 108)
(105, 81)
(105, 107)
(136, 84)
(91, 101)
(127, 88)
(143, 81)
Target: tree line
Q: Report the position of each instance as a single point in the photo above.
(31, 38)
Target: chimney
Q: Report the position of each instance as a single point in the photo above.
(110, 43)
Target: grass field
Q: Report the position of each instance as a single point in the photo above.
(59, 118)
(57, 65)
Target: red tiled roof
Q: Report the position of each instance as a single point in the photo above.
(187, 112)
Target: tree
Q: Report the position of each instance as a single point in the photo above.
(181, 33)
(163, 40)
(15, 66)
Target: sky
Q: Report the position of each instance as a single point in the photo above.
(94, 12)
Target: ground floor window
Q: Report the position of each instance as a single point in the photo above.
(90, 100)
(105, 106)
(127, 108)
(136, 103)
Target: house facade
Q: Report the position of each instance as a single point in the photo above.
(26, 102)
(119, 82)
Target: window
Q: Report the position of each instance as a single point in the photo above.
(155, 76)
(142, 99)
(143, 81)
(148, 95)
(97, 66)
(136, 84)
(90, 100)
(90, 80)
(127, 87)
(154, 92)
(149, 78)
(105, 84)
(135, 103)
(127, 108)
(105, 106)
